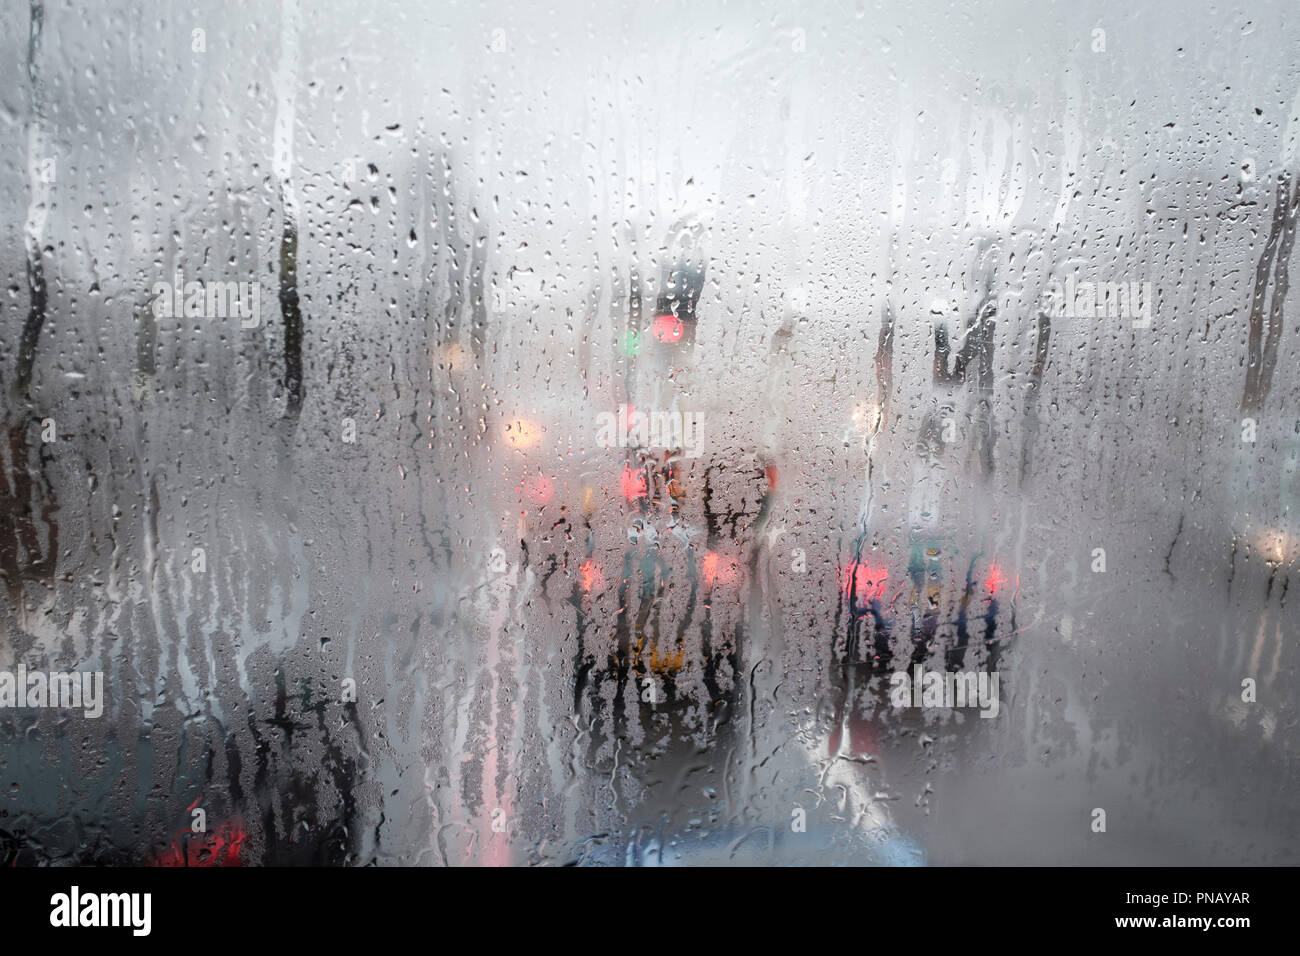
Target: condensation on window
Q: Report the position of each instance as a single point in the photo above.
(648, 434)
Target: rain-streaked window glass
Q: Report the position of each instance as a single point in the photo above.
(645, 434)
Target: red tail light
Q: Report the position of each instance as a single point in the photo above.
(667, 328)
(632, 483)
(223, 847)
(995, 579)
(864, 582)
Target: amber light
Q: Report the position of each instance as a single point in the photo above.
(521, 433)
(1276, 546)
(592, 577)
